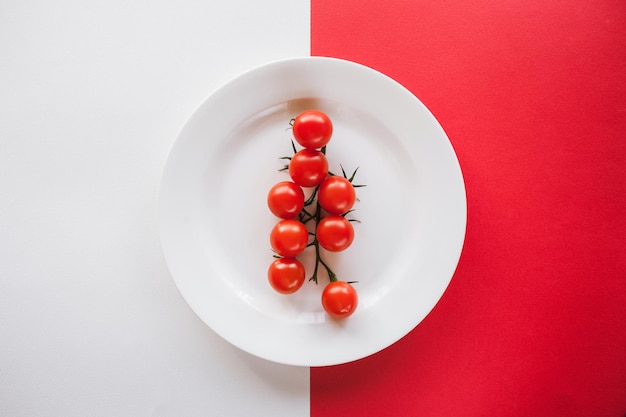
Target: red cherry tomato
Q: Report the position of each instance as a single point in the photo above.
(336, 195)
(286, 275)
(289, 238)
(308, 167)
(339, 299)
(285, 200)
(334, 233)
(312, 129)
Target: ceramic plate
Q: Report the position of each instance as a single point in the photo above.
(214, 221)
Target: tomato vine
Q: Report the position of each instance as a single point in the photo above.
(331, 199)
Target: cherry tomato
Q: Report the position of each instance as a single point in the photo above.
(312, 129)
(339, 299)
(285, 199)
(286, 275)
(334, 233)
(336, 195)
(288, 238)
(308, 167)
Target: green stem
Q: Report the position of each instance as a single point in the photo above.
(331, 274)
(318, 258)
(311, 199)
(305, 216)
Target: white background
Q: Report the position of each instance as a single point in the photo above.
(92, 95)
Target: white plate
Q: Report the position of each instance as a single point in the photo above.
(214, 221)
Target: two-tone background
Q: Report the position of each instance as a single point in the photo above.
(532, 96)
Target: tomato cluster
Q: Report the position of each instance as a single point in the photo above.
(332, 198)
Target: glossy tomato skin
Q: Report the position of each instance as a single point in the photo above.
(289, 238)
(308, 167)
(285, 200)
(334, 233)
(339, 299)
(336, 195)
(286, 275)
(312, 129)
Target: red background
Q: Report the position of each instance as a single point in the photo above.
(532, 96)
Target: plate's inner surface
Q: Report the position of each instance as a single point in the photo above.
(236, 222)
